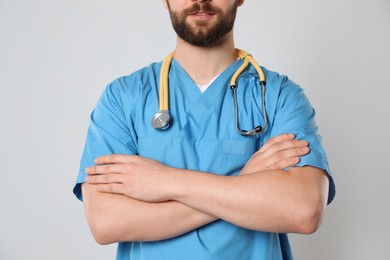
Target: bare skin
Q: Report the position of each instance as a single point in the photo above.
(110, 212)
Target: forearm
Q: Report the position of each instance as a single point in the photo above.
(117, 218)
(131, 198)
(270, 201)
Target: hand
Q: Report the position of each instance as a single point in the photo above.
(277, 153)
(130, 175)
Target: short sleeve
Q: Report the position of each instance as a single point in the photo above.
(294, 114)
(108, 132)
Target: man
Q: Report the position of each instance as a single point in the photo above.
(199, 189)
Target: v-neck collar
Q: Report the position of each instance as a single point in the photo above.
(198, 102)
(188, 85)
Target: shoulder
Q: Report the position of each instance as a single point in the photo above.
(137, 80)
(280, 82)
(128, 88)
(277, 85)
(125, 91)
(283, 89)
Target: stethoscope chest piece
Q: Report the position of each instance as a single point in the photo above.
(161, 120)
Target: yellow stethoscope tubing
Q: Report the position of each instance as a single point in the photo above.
(164, 82)
(247, 59)
(163, 99)
(161, 119)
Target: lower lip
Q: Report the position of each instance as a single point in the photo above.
(201, 16)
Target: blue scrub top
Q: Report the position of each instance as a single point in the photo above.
(202, 137)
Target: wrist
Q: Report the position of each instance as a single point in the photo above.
(178, 183)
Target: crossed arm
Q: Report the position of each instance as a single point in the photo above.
(130, 198)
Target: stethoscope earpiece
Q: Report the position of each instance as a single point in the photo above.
(258, 129)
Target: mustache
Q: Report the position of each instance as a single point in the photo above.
(204, 7)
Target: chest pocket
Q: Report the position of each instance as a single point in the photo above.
(239, 147)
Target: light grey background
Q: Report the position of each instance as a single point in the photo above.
(57, 56)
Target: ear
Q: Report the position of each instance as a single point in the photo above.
(165, 3)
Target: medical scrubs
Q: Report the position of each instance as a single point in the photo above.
(202, 137)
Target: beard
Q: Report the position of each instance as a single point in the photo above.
(204, 33)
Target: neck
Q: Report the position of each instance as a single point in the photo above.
(204, 63)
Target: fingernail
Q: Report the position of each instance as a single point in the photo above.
(303, 142)
(305, 149)
(291, 135)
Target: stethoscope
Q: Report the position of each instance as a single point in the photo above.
(161, 120)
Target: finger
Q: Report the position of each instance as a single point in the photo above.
(114, 158)
(105, 169)
(104, 179)
(287, 154)
(283, 164)
(277, 139)
(282, 146)
(115, 188)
